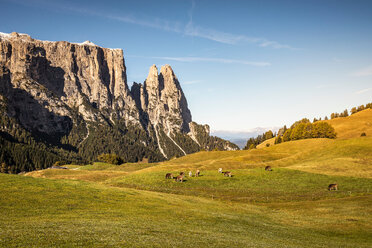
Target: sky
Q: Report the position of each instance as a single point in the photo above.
(241, 64)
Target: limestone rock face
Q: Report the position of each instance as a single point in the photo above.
(76, 94)
(164, 101)
(82, 76)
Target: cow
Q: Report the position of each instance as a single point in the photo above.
(179, 178)
(182, 173)
(220, 170)
(268, 168)
(190, 174)
(333, 186)
(168, 176)
(197, 173)
(227, 174)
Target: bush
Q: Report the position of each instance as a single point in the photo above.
(267, 145)
(59, 163)
(110, 159)
(363, 134)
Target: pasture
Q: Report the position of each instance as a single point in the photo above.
(134, 205)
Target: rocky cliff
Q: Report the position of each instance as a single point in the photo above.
(75, 96)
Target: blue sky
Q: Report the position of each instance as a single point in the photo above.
(242, 64)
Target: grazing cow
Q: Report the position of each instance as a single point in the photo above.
(268, 168)
(197, 173)
(227, 174)
(182, 173)
(220, 170)
(190, 174)
(179, 178)
(168, 176)
(333, 186)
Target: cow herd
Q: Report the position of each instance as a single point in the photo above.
(180, 177)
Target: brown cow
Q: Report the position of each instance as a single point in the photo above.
(227, 174)
(168, 176)
(197, 173)
(268, 168)
(179, 178)
(333, 186)
(182, 173)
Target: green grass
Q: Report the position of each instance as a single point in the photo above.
(251, 185)
(133, 205)
(39, 212)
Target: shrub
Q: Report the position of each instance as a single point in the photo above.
(363, 134)
(59, 163)
(267, 145)
(110, 158)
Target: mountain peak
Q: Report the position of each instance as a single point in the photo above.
(75, 96)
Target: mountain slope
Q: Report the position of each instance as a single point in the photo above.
(75, 97)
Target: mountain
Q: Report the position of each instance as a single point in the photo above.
(240, 137)
(71, 101)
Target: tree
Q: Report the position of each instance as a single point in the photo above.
(353, 110)
(346, 113)
(110, 158)
(269, 134)
(3, 168)
(360, 108)
(326, 118)
(278, 140)
(287, 135)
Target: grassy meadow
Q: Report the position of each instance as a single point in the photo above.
(133, 205)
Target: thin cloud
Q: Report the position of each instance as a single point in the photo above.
(226, 38)
(215, 60)
(192, 82)
(231, 39)
(367, 71)
(363, 91)
(206, 59)
(190, 29)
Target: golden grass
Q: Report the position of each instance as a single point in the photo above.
(83, 175)
(353, 125)
(271, 142)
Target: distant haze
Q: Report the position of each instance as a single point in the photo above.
(240, 137)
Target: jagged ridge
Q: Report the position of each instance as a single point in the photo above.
(76, 97)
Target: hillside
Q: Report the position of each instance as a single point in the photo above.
(346, 127)
(353, 125)
(134, 205)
